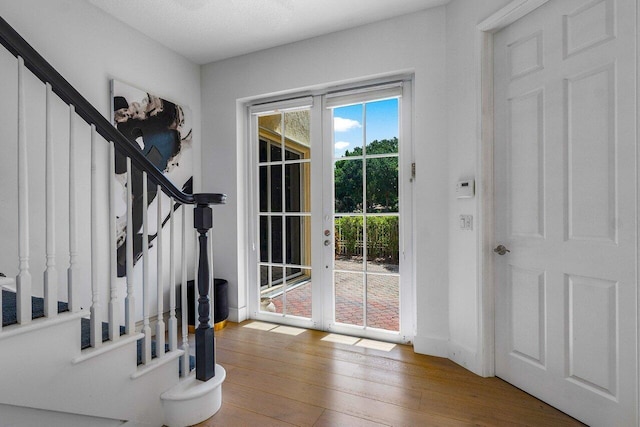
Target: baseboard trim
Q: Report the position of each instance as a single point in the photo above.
(153, 320)
(438, 347)
(238, 315)
(464, 356)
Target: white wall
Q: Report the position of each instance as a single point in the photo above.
(89, 48)
(414, 43)
(463, 134)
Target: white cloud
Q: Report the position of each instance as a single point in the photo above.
(341, 124)
(340, 145)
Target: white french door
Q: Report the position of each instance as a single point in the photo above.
(331, 213)
(286, 164)
(566, 207)
(367, 211)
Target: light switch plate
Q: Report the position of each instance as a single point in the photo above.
(466, 222)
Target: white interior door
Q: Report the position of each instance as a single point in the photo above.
(566, 198)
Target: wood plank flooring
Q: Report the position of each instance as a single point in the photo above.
(278, 379)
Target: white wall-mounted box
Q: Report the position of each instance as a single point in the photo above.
(465, 189)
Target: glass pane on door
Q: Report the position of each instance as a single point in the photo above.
(366, 215)
(383, 308)
(348, 243)
(349, 298)
(284, 222)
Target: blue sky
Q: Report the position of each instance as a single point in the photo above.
(349, 126)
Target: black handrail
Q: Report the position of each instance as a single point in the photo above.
(18, 46)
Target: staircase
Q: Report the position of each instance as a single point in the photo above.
(78, 345)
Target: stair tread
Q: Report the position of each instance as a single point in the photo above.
(9, 317)
(9, 314)
(85, 328)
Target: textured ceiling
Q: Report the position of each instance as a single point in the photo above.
(209, 30)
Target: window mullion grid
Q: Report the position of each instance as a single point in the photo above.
(255, 196)
(270, 219)
(364, 214)
(283, 207)
(382, 156)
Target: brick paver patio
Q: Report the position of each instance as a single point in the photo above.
(382, 295)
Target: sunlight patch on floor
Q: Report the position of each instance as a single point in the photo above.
(262, 326)
(287, 330)
(341, 339)
(335, 338)
(359, 342)
(376, 345)
(270, 327)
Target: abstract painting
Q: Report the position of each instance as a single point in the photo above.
(162, 131)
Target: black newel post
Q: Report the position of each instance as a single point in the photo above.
(205, 341)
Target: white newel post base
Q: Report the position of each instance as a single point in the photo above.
(192, 401)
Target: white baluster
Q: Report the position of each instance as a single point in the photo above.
(72, 286)
(146, 291)
(173, 322)
(50, 273)
(129, 302)
(23, 280)
(96, 317)
(159, 278)
(183, 294)
(114, 303)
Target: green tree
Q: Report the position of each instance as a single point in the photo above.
(348, 186)
(382, 179)
(383, 146)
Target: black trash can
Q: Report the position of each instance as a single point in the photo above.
(221, 303)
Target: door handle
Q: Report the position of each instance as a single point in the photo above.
(327, 242)
(501, 250)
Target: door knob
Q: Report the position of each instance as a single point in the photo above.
(327, 242)
(501, 250)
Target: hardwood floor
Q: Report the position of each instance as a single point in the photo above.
(278, 379)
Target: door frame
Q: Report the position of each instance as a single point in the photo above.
(485, 188)
(315, 97)
(407, 282)
(502, 18)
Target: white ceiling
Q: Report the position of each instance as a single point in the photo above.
(209, 30)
